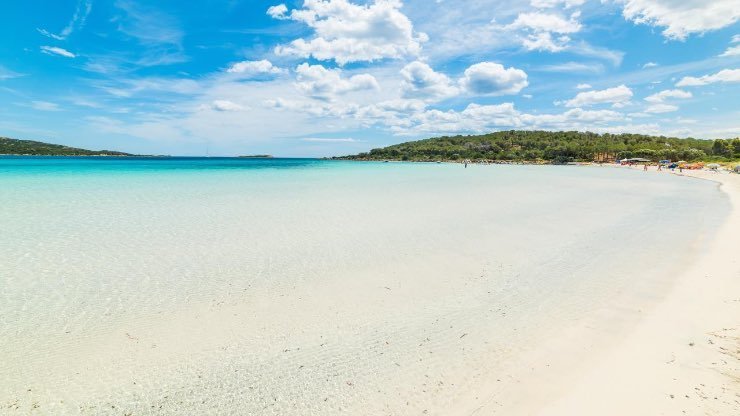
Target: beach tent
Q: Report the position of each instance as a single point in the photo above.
(713, 166)
(737, 169)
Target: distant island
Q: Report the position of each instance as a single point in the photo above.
(10, 146)
(256, 156)
(554, 147)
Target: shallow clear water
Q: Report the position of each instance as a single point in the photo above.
(301, 286)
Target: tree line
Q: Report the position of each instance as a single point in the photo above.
(556, 147)
(30, 147)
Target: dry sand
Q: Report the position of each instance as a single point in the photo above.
(683, 358)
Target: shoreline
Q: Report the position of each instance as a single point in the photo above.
(683, 357)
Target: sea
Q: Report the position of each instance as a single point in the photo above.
(222, 286)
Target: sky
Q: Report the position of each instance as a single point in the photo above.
(337, 77)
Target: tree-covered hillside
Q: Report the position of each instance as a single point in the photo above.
(556, 147)
(30, 147)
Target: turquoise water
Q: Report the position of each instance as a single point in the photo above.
(303, 286)
(53, 164)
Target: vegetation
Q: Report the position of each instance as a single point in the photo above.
(30, 147)
(555, 147)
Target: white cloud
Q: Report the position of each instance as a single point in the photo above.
(681, 18)
(484, 118)
(663, 95)
(402, 106)
(322, 83)
(650, 65)
(54, 50)
(661, 108)
(542, 30)
(543, 41)
(278, 11)
(571, 67)
(546, 4)
(731, 51)
(571, 116)
(78, 21)
(45, 106)
(226, 105)
(725, 75)
(421, 81)
(615, 95)
(346, 32)
(583, 86)
(546, 22)
(253, 68)
(489, 78)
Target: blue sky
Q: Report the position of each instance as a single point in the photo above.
(330, 77)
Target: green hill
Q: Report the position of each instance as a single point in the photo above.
(29, 147)
(555, 147)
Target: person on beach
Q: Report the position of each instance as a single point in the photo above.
(660, 167)
(466, 164)
(645, 168)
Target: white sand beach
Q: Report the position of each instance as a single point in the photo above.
(683, 357)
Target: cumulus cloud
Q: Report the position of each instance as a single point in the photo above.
(54, 50)
(616, 95)
(346, 32)
(665, 94)
(278, 11)
(545, 31)
(681, 18)
(489, 78)
(725, 75)
(319, 82)
(650, 65)
(583, 86)
(477, 118)
(254, 68)
(421, 81)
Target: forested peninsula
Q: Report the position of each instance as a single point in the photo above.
(555, 147)
(10, 146)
